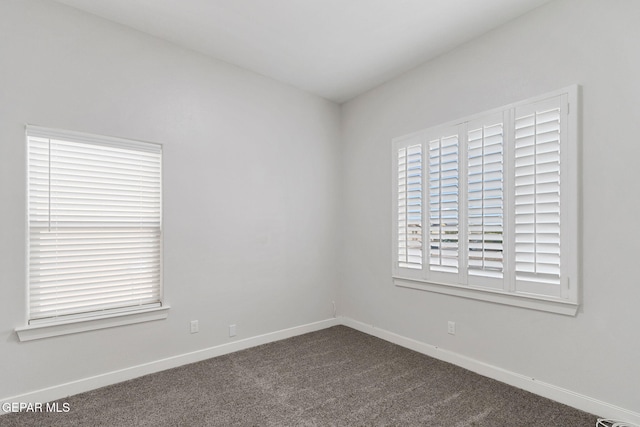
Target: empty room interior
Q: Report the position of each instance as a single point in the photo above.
(457, 178)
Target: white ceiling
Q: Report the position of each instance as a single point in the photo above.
(333, 48)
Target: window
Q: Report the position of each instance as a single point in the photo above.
(94, 226)
(486, 207)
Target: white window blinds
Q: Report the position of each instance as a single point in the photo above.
(94, 224)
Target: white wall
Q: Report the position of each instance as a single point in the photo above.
(254, 180)
(250, 169)
(593, 43)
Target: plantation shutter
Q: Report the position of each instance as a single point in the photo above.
(485, 198)
(537, 195)
(409, 209)
(94, 220)
(443, 204)
(494, 209)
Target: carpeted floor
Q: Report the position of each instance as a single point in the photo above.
(334, 377)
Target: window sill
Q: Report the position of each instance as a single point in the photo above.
(36, 332)
(517, 300)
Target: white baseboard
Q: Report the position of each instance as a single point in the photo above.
(86, 384)
(550, 391)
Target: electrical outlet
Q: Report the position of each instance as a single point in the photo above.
(232, 330)
(451, 327)
(194, 326)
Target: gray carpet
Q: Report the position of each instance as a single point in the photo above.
(334, 377)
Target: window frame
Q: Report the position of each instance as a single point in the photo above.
(503, 291)
(37, 328)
